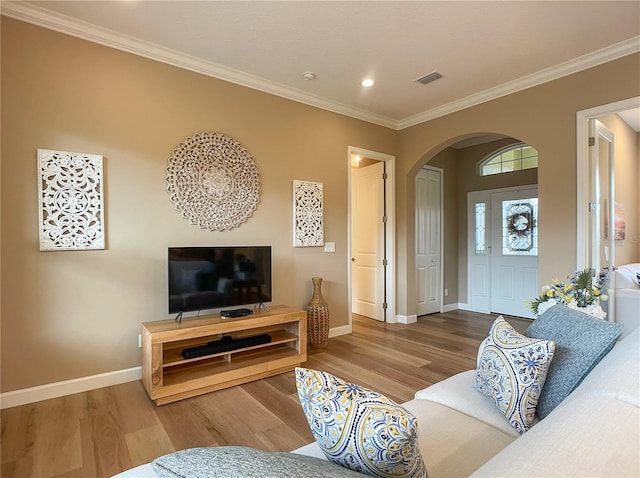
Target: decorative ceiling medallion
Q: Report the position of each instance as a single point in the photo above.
(213, 181)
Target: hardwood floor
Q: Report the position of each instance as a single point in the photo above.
(102, 432)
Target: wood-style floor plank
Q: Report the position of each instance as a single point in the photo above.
(102, 432)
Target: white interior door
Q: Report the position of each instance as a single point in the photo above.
(367, 269)
(428, 203)
(602, 202)
(514, 251)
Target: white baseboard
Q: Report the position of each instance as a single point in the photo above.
(450, 307)
(344, 330)
(406, 319)
(68, 387)
(462, 306)
(83, 384)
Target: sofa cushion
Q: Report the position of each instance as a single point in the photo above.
(617, 376)
(243, 462)
(459, 393)
(453, 444)
(581, 342)
(511, 371)
(594, 437)
(359, 428)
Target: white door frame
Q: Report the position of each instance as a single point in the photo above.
(390, 168)
(583, 171)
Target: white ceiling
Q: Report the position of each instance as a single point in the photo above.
(483, 49)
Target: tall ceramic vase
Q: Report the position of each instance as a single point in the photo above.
(317, 317)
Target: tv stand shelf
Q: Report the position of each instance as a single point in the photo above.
(168, 376)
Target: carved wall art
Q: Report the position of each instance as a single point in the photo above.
(70, 201)
(307, 214)
(213, 181)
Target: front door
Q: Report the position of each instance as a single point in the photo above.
(514, 251)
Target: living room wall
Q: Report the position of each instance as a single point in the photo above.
(544, 117)
(73, 314)
(68, 315)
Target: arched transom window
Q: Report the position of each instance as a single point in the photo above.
(514, 157)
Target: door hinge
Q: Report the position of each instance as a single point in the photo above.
(592, 141)
(384, 219)
(384, 306)
(384, 176)
(592, 207)
(385, 262)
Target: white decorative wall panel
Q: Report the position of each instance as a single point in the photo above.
(70, 201)
(307, 214)
(213, 181)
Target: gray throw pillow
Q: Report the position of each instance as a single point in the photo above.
(244, 462)
(581, 342)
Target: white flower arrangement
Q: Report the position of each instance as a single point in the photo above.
(582, 293)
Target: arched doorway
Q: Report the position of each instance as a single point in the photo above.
(458, 160)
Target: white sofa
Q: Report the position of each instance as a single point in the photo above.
(595, 431)
(627, 297)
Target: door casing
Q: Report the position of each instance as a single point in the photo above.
(390, 227)
(583, 254)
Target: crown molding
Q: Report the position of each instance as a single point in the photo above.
(570, 67)
(86, 31)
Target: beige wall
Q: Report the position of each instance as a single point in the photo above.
(544, 117)
(446, 160)
(627, 167)
(73, 314)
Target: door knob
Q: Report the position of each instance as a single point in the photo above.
(353, 259)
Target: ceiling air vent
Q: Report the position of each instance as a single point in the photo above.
(429, 78)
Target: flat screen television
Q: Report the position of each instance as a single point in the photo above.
(202, 278)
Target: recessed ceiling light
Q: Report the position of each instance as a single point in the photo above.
(308, 75)
(367, 83)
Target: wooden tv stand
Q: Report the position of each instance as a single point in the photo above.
(169, 377)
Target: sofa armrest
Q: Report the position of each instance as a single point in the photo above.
(627, 306)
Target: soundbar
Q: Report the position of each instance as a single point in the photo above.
(225, 344)
(236, 312)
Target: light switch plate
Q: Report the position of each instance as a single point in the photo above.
(329, 247)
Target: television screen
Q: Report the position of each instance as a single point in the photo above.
(217, 277)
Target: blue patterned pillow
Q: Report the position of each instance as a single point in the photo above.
(581, 342)
(511, 371)
(359, 428)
